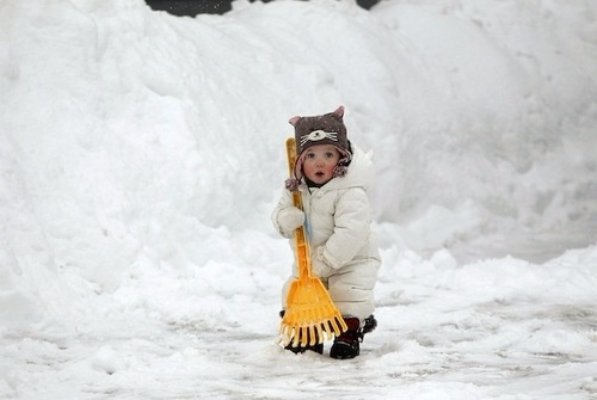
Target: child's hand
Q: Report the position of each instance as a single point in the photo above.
(290, 218)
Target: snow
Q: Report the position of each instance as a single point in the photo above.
(141, 155)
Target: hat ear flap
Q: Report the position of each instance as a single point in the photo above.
(342, 167)
(340, 171)
(294, 120)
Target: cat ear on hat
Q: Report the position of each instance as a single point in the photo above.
(294, 120)
(339, 112)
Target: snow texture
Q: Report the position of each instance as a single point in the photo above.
(141, 155)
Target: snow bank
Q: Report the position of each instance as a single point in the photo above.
(132, 141)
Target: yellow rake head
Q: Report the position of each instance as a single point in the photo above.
(310, 317)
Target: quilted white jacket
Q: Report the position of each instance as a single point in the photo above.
(344, 250)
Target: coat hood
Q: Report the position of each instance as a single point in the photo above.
(360, 173)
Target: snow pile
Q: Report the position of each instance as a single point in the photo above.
(141, 154)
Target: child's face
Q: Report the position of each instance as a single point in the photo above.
(319, 163)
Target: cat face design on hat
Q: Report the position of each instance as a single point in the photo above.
(321, 129)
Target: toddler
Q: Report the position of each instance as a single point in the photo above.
(333, 176)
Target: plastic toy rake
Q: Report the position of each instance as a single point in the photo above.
(310, 316)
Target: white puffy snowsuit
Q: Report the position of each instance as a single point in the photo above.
(344, 251)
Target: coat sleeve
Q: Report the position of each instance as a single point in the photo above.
(284, 203)
(352, 224)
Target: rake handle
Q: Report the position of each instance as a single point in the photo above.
(301, 244)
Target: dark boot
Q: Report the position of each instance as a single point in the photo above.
(369, 324)
(347, 345)
(318, 348)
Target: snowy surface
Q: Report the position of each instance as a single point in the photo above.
(141, 155)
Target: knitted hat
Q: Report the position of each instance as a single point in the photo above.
(321, 129)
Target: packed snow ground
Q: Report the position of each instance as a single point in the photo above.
(141, 155)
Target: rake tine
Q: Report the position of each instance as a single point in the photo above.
(302, 336)
(284, 333)
(289, 335)
(286, 340)
(295, 341)
(319, 333)
(336, 327)
(342, 323)
(296, 338)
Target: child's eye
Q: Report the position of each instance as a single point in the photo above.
(329, 154)
(310, 155)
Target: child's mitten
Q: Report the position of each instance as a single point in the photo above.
(289, 219)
